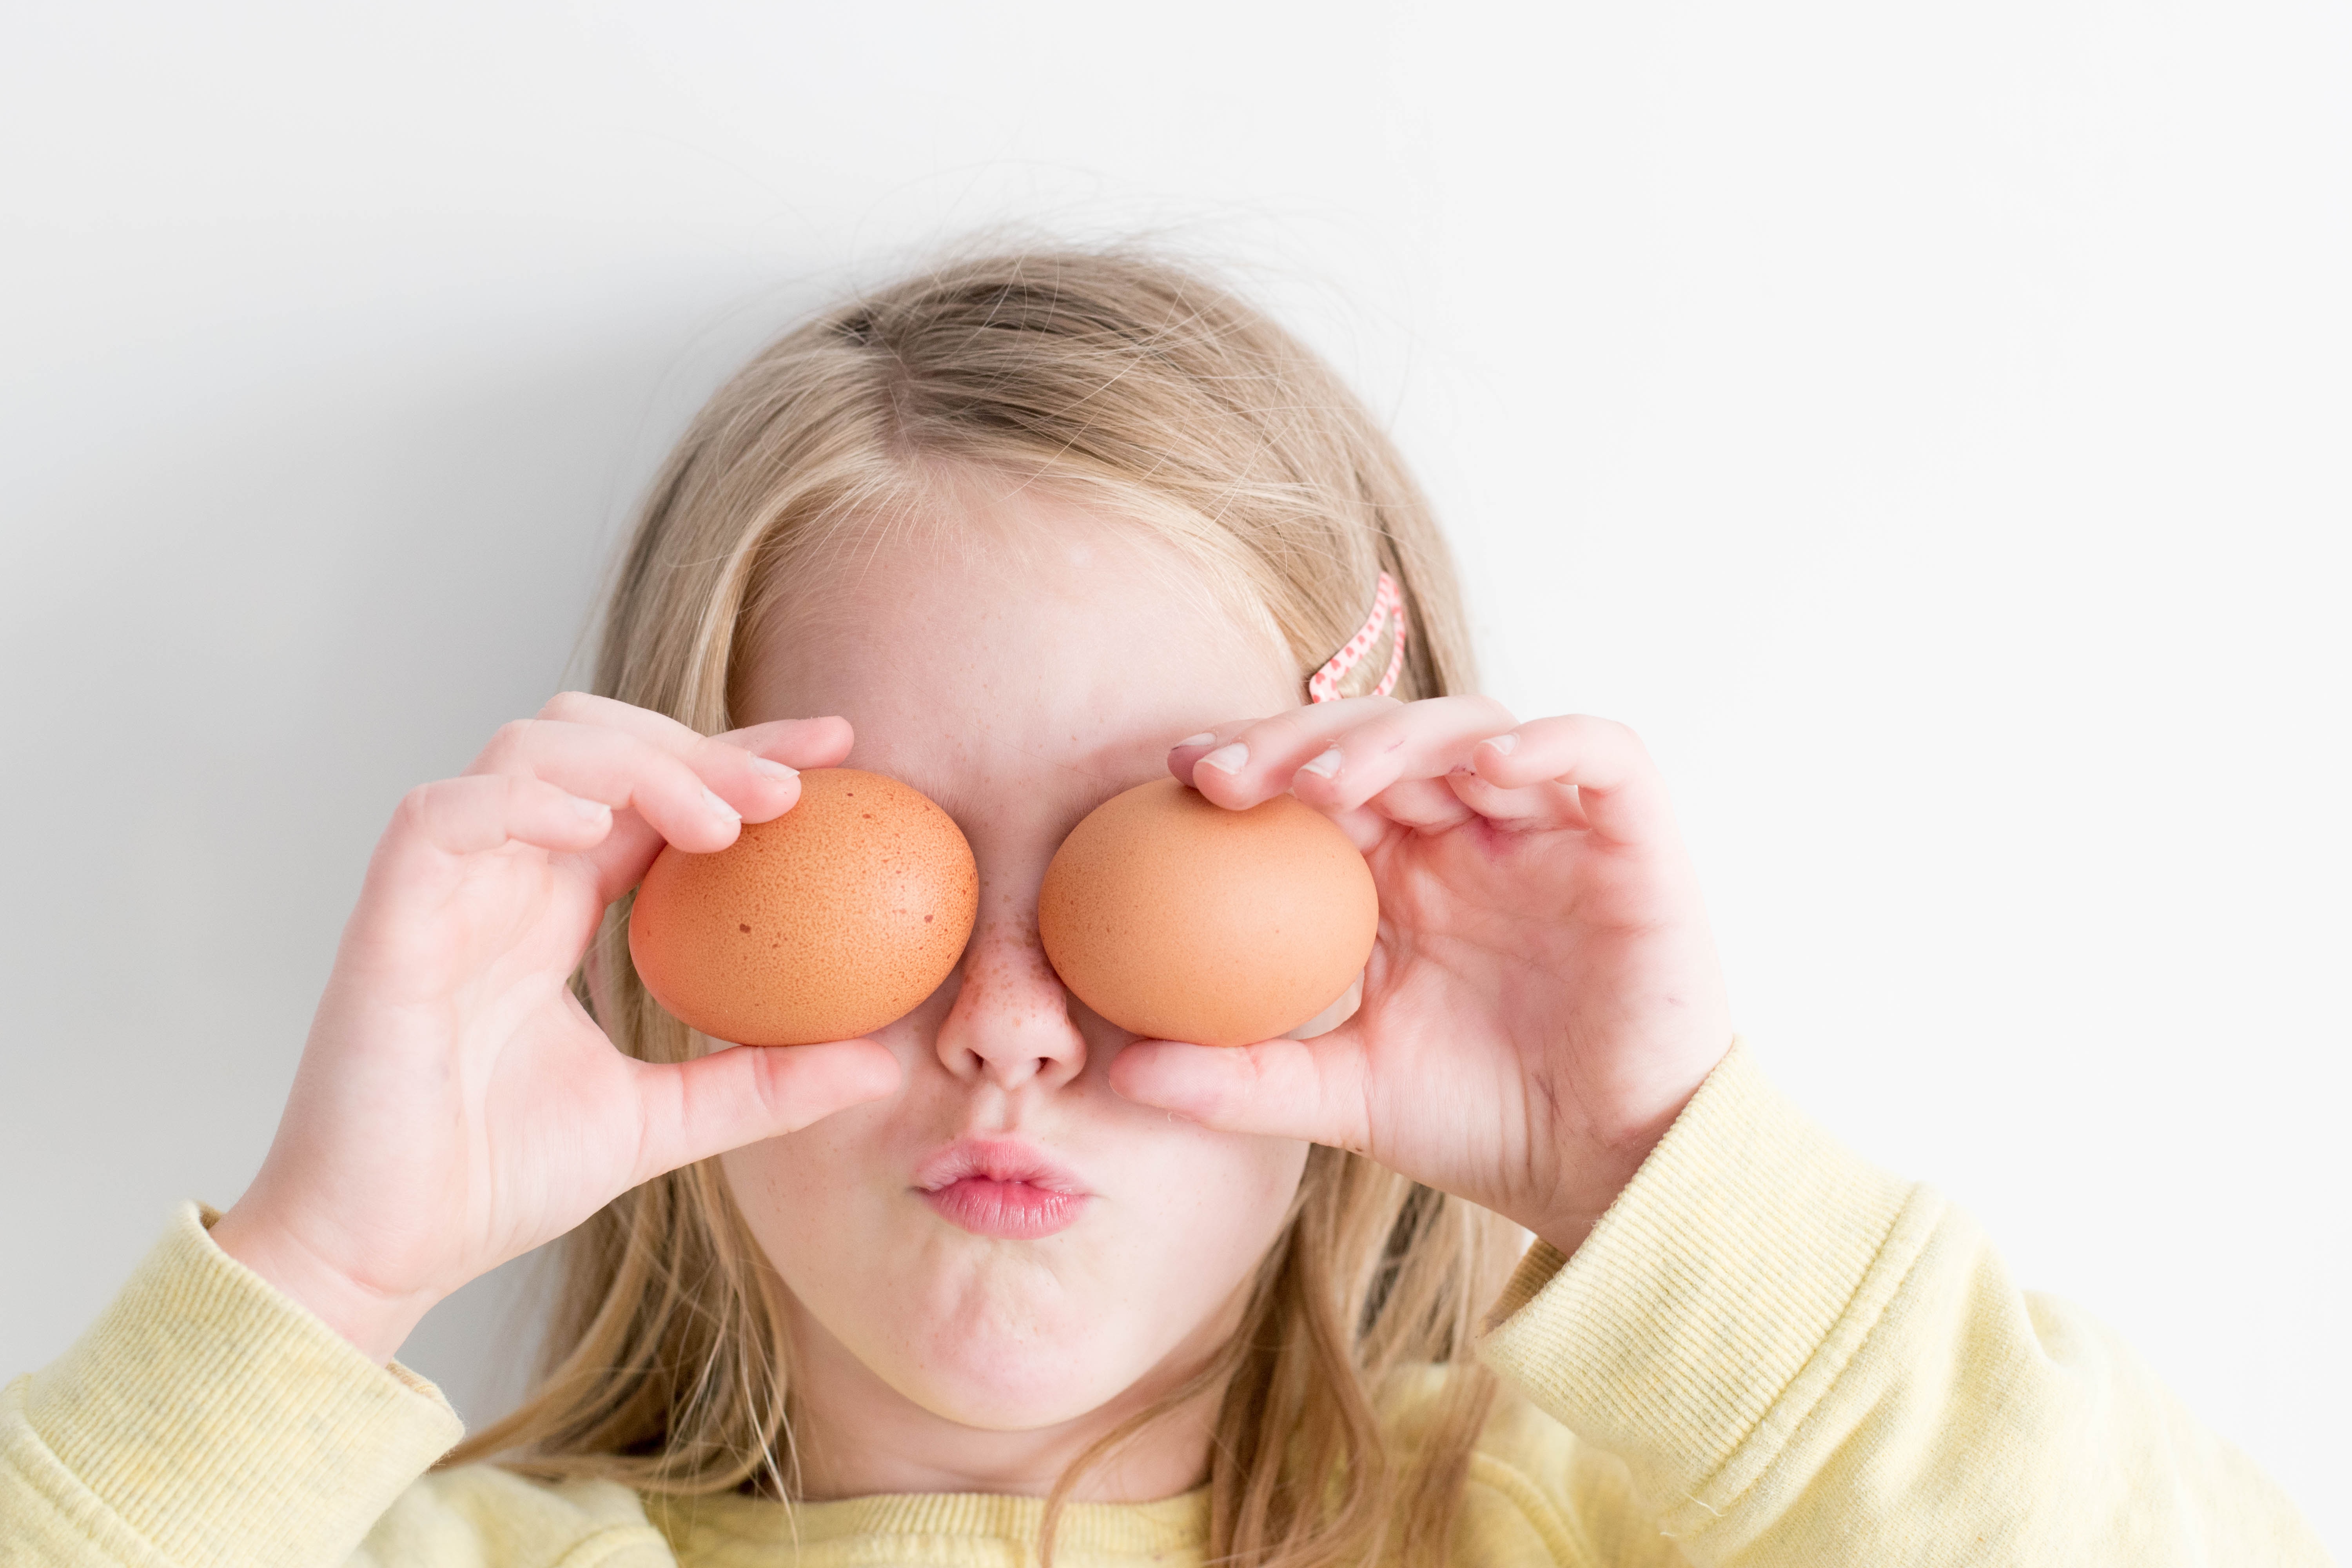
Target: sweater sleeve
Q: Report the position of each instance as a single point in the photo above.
(205, 1418)
(1802, 1360)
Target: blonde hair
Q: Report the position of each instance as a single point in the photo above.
(1137, 383)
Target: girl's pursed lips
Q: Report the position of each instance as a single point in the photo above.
(1002, 1160)
(1001, 1188)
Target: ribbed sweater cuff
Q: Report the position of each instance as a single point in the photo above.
(1718, 1299)
(223, 1423)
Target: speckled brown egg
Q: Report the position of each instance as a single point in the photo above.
(1179, 919)
(827, 923)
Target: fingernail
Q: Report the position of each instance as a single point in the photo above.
(722, 807)
(768, 768)
(1503, 743)
(1324, 766)
(592, 810)
(1202, 739)
(1225, 758)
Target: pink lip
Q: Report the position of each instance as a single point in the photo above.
(1000, 1187)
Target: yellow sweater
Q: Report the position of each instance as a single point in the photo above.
(1767, 1352)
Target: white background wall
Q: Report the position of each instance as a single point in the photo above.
(1930, 430)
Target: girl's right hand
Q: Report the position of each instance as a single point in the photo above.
(456, 1106)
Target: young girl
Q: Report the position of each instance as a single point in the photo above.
(1003, 1279)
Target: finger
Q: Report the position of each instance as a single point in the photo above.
(1532, 808)
(1425, 740)
(755, 782)
(621, 862)
(1287, 1088)
(1254, 761)
(601, 763)
(691, 1110)
(1617, 785)
(490, 811)
(823, 742)
(1428, 806)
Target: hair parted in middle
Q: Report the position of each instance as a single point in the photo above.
(1163, 399)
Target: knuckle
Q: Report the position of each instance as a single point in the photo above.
(666, 772)
(772, 1087)
(414, 807)
(653, 1096)
(1375, 716)
(1277, 730)
(571, 706)
(707, 753)
(425, 812)
(510, 738)
(1388, 730)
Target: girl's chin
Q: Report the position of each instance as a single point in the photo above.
(975, 1339)
(1023, 1388)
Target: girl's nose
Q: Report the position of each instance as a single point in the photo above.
(1010, 1024)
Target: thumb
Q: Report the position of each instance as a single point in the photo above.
(691, 1110)
(1289, 1089)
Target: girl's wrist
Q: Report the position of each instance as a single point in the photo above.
(1566, 1228)
(1570, 1219)
(376, 1323)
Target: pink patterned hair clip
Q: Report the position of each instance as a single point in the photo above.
(1385, 627)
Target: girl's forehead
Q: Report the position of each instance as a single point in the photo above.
(1052, 650)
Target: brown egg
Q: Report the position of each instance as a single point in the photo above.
(828, 921)
(1179, 919)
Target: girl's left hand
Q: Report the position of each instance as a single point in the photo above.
(1544, 997)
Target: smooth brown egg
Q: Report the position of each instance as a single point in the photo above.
(827, 923)
(1179, 919)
